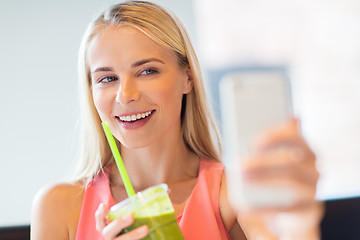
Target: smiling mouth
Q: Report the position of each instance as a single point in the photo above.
(136, 117)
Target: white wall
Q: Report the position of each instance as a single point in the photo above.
(39, 40)
(319, 42)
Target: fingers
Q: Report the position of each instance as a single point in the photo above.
(100, 217)
(281, 150)
(281, 162)
(285, 135)
(112, 230)
(137, 233)
(278, 134)
(282, 159)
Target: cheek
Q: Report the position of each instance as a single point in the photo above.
(102, 103)
(171, 98)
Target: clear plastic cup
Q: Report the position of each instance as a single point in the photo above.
(151, 207)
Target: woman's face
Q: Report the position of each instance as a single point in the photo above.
(137, 86)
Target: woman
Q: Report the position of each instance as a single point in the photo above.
(138, 71)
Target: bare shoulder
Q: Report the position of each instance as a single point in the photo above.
(62, 190)
(55, 211)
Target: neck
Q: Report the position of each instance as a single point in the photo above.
(167, 161)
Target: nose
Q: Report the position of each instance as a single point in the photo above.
(127, 91)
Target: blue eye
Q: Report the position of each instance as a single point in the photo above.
(108, 79)
(148, 71)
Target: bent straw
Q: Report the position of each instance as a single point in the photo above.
(129, 188)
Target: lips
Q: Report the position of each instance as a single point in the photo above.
(135, 120)
(135, 117)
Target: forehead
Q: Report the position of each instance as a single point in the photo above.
(125, 44)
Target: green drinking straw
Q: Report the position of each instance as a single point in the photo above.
(129, 188)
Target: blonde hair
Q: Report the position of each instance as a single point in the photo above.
(163, 27)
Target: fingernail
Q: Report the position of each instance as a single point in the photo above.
(142, 230)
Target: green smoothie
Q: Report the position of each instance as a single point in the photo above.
(151, 207)
(161, 227)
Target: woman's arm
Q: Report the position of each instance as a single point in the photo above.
(55, 212)
(228, 214)
(282, 158)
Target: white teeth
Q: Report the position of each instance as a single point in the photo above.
(135, 117)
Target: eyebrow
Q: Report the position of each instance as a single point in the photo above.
(102, 69)
(136, 64)
(142, 62)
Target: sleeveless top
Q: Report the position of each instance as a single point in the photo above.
(200, 219)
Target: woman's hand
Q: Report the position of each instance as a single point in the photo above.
(111, 230)
(281, 158)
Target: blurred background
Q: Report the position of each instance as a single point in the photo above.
(317, 43)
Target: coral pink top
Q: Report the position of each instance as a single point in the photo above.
(201, 218)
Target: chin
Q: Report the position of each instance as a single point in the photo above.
(134, 144)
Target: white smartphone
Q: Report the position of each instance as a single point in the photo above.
(251, 102)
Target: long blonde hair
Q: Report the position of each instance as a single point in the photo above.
(163, 27)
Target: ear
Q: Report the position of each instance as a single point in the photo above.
(188, 83)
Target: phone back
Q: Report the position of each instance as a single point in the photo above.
(252, 102)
